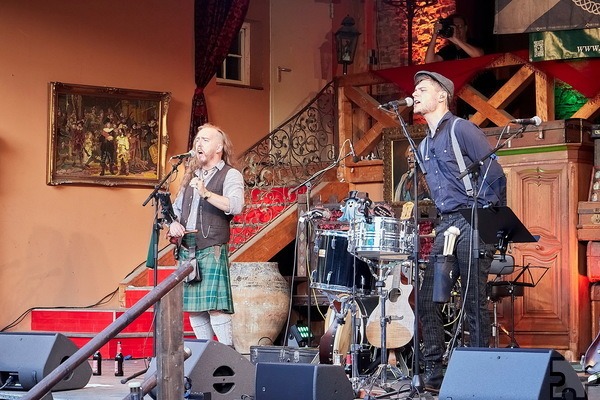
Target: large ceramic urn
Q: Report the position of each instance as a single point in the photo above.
(261, 299)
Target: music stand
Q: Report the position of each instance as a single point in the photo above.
(501, 226)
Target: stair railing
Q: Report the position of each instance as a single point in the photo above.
(170, 344)
(283, 159)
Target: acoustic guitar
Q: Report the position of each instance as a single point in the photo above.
(400, 328)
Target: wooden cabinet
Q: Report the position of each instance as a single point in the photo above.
(545, 185)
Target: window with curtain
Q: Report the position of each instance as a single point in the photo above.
(236, 66)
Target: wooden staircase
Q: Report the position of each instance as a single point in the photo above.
(81, 325)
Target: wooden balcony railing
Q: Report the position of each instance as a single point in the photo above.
(520, 82)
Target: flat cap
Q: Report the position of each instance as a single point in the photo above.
(446, 83)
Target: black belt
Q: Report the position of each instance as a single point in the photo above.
(449, 215)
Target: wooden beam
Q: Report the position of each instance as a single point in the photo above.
(590, 109)
(169, 344)
(362, 99)
(361, 79)
(479, 102)
(345, 128)
(367, 171)
(507, 93)
(544, 96)
(370, 139)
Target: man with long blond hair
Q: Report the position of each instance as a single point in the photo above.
(211, 193)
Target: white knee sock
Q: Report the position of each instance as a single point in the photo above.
(221, 324)
(200, 322)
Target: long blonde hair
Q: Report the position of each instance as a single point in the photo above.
(192, 164)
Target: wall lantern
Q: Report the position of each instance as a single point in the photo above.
(346, 39)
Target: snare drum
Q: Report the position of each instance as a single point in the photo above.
(336, 266)
(383, 238)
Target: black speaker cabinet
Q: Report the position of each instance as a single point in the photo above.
(30, 357)
(511, 374)
(277, 381)
(216, 369)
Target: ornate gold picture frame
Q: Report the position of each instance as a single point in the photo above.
(106, 136)
(396, 164)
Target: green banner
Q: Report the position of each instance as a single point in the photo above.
(562, 45)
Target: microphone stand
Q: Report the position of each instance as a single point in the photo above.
(474, 171)
(416, 384)
(476, 164)
(308, 183)
(167, 215)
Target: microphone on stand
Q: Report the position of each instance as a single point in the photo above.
(316, 213)
(408, 102)
(528, 121)
(353, 153)
(189, 154)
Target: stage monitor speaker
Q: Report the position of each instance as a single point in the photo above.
(511, 374)
(216, 369)
(30, 357)
(276, 381)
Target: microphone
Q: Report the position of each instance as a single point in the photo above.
(528, 121)
(316, 213)
(353, 153)
(408, 102)
(189, 154)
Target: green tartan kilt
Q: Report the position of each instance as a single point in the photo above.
(214, 292)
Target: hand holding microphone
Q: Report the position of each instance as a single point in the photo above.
(198, 184)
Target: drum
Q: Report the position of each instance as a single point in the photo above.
(337, 269)
(383, 238)
(337, 339)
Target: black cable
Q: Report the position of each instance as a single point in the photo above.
(21, 317)
(100, 302)
(8, 382)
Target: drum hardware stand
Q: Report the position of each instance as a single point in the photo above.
(355, 347)
(308, 183)
(416, 384)
(384, 367)
(514, 289)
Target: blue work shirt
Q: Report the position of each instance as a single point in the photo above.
(448, 192)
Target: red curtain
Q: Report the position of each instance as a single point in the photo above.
(216, 23)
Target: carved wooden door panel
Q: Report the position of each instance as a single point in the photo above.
(543, 191)
(540, 201)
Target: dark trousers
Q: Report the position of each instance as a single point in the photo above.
(431, 313)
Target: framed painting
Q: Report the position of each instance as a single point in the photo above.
(106, 136)
(398, 167)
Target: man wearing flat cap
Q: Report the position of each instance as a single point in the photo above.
(448, 135)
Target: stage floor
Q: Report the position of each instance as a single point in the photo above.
(107, 386)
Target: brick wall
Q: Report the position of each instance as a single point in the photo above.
(392, 32)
